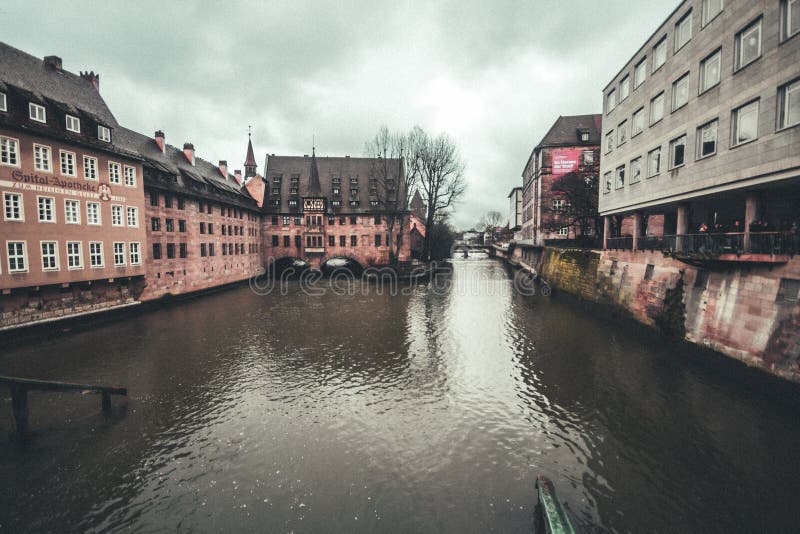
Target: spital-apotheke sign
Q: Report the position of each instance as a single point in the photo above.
(54, 184)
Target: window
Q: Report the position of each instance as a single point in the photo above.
(9, 152)
(640, 73)
(611, 101)
(609, 141)
(342, 241)
(790, 19)
(707, 139)
(49, 256)
(132, 216)
(353, 219)
(677, 152)
(17, 260)
(47, 209)
(116, 215)
(654, 162)
(68, 163)
(657, 109)
(154, 199)
(204, 251)
(41, 158)
(134, 251)
(170, 251)
(181, 203)
(584, 136)
(558, 205)
(607, 177)
(37, 112)
(659, 54)
(636, 170)
(13, 208)
(353, 240)
(74, 255)
(93, 213)
(114, 173)
(157, 251)
(745, 124)
(287, 241)
(588, 158)
(211, 249)
(747, 45)
(119, 254)
(96, 254)
(202, 228)
(89, 168)
(680, 92)
(103, 133)
(624, 89)
(637, 124)
(167, 198)
(710, 70)
(298, 241)
(181, 225)
(683, 31)
(622, 133)
(73, 124)
(130, 177)
(155, 224)
(711, 8)
(210, 228)
(789, 103)
(182, 250)
(563, 231)
(3, 105)
(169, 225)
(620, 174)
(72, 211)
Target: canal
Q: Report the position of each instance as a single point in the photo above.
(427, 411)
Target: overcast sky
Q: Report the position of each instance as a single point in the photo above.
(493, 74)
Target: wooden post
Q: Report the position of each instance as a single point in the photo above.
(106, 402)
(19, 404)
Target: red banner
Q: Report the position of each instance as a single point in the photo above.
(565, 161)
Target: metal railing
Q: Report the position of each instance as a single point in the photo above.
(712, 244)
(620, 243)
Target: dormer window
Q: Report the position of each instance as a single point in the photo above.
(3, 106)
(583, 136)
(73, 124)
(103, 133)
(37, 112)
(295, 178)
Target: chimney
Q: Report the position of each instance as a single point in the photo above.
(223, 168)
(159, 135)
(52, 62)
(188, 150)
(90, 77)
(238, 175)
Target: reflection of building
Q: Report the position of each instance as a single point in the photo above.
(570, 148)
(515, 211)
(72, 226)
(701, 128)
(416, 226)
(203, 227)
(334, 207)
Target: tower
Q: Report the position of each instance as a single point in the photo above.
(250, 159)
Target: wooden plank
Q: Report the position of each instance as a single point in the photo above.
(46, 385)
(554, 516)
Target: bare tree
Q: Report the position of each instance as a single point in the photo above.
(572, 202)
(441, 177)
(392, 179)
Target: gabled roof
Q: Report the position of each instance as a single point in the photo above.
(30, 73)
(201, 179)
(314, 188)
(250, 159)
(565, 132)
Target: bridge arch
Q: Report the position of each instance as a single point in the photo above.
(341, 263)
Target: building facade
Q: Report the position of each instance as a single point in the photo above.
(203, 227)
(72, 229)
(318, 209)
(569, 149)
(701, 129)
(515, 212)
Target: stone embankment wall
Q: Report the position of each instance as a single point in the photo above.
(747, 311)
(50, 303)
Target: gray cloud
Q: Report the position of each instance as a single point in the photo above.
(495, 75)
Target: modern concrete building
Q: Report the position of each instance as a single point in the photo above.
(515, 211)
(72, 233)
(702, 127)
(570, 147)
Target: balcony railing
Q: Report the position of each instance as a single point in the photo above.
(620, 243)
(712, 245)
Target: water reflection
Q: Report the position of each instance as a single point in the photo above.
(428, 411)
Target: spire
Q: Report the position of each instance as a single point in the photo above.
(314, 188)
(250, 160)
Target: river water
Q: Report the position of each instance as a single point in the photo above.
(430, 411)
